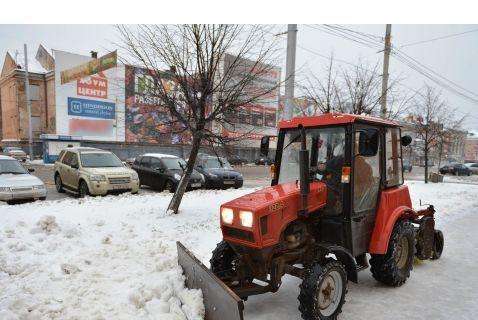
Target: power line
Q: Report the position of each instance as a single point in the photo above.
(439, 38)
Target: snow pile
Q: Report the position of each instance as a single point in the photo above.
(115, 258)
(104, 258)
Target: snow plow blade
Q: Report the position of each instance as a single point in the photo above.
(220, 301)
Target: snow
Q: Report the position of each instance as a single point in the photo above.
(115, 258)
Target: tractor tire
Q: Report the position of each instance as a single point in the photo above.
(322, 292)
(222, 260)
(438, 245)
(393, 268)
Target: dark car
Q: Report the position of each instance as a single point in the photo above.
(264, 161)
(164, 171)
(236, 160)
(407, 166)
(457, 169)
(218, 172)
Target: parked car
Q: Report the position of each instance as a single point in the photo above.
(15, 152)
(16, 183)
(407, 166)
(473, 167)
(218, 172)
(458, 169)
(164, 171)
(264, 161)
(236, 160)
(91, 171)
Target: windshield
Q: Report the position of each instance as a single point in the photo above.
(100, 160)
(11, 166)
(174, 163)
(324, 145)
(215, 163)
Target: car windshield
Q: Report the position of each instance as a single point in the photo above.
(215, 162)
(174, 163)
(11, 166)
(100, 160)
(330, 144)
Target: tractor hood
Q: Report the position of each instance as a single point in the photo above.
(282, 196)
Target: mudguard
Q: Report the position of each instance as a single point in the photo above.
(219, 300)
(345, 258)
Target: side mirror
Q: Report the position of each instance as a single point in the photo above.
(265, 146)
(368, 142)
(31, 170)
(406, 140)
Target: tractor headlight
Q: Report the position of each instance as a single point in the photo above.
(246, 218)
(227, 215)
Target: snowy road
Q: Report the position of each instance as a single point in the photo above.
(114, 258)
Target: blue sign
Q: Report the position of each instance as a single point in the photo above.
(91, 108)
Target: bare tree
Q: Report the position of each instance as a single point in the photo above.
(431, 113)
(355, 90)
(203, 84)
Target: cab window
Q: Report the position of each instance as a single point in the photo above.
(393, 164)
(67, 158)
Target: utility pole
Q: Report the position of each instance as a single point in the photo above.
(290, 71)
(386, 59)
(29, 103)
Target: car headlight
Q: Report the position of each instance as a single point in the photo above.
(5, 189)
(97, 177)
(227, 215)
(202, 177)
(177, 176)
(246, 218)
(39, 187)
(212, 175)
(134, 175)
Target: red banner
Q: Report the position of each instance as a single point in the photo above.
(93, 86)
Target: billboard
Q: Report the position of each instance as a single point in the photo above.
(89, 68)
(91, 106)
(255, 120)
(146, 120)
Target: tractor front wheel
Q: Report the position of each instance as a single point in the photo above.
(322, 292)
(393, 268)
(222, 261)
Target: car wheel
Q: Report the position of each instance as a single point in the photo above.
(169, 186)
(83, 190)
(59, 184)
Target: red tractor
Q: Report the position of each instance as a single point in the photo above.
(337, 194)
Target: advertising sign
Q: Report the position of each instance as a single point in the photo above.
(45, 59)
(146, 120)
(90, 128)
(94, 66)
(91, 108)
(94, 86)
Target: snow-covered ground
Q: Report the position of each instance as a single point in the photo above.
(115, 258)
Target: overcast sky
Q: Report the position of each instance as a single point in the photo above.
(453, 58)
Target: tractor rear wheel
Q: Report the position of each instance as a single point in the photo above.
(393, 268)
(322, 292)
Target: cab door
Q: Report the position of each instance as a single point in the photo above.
(366, 171)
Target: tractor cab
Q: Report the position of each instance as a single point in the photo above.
(336, 195)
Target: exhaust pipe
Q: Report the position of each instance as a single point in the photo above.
(304, 173)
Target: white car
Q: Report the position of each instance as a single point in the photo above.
(473, 167)
(16, 183)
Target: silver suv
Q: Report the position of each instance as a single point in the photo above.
(91, 171)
